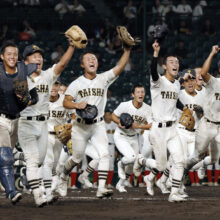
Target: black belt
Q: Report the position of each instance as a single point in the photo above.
(165, 124)
(111, 144)
(37, 118)
(214, 122)
(80, 120)
(52, 132)
(128, 135)
(193, 130)
(12, 117)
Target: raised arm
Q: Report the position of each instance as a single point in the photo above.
(206, 66)
(122, 62)
(64, 60)
(154, 72)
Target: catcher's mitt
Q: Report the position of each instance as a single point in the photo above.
(126, 38)
(21, 92)
(76, 36)
(63, 132)
(126, 120)
(187, 119)
(88, 114)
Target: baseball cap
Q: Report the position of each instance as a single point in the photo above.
(191, 71)
(30, 49)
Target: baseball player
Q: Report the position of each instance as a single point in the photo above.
(32, 130)
(110, 127)
(208, 128)
(57, 115)
(91, 88)
(10, 106)
(126, 140)
(163, 133)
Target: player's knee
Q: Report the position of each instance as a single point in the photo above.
(6, 156)
(77, 158)
(128, 159)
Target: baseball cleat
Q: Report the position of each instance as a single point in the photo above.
(120, 188)
(137, 166)
(150, 186)
(201, 173)
(95, 185)
(174, 197)
(62, 187)
(74, 187)
(103, 192)
(162, 186)
(121, 172)
(85, 181)
(15, 198)
(39, 198)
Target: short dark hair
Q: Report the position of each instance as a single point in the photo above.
(6, 44)
(169, 55)
(139, 85)
(84, 53)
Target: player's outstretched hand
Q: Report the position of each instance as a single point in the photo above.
(215, 49)
(81, 105)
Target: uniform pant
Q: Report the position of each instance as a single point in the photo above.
(163, 139)
(188, 142)
(206, 133)
(8, 132)
(54, 148)
(33, 136)
(127, 146)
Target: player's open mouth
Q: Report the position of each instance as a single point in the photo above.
(174, 69)
(91, 66)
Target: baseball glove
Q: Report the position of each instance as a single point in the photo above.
(76, 36)
(187, 119)
(126, 120)
(88, 114)
(63, 132)
(127, 40)
(159, 33)
(21, 92)
(199, 111)
(69, 146)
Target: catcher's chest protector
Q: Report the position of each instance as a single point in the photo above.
(8, 100)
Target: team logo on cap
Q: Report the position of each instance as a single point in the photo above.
(35, 47)
(189, 71)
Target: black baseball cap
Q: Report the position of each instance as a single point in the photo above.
(191, 71)
(30, 49)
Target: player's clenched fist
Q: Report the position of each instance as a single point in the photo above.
(215, 49)
(81, 105)
(156, 47)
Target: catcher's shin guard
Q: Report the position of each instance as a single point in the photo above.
(7, 171)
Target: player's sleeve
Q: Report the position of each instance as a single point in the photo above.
(72, 90)
(212, 83)
(119, 110)
(109, 77)
(50, 75)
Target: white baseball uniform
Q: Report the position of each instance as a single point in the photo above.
(163, 133)
(126, 140)
(32, 127)
(94, 92)
(209, 126)
(57, 115)
(188, 137)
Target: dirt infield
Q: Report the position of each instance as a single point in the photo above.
(204, 203)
